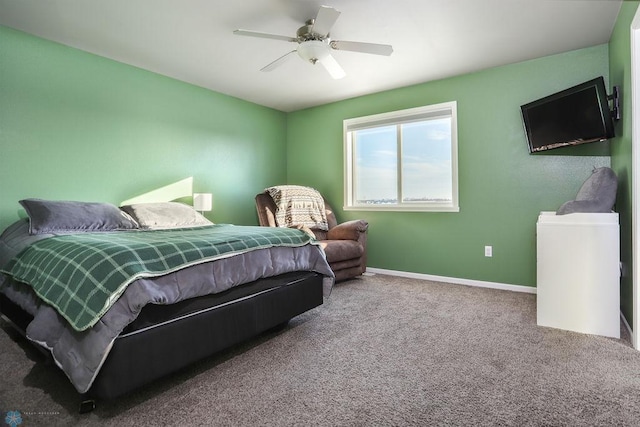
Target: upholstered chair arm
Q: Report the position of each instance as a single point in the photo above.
(350, 230)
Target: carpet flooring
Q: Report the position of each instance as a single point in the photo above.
(381, 351)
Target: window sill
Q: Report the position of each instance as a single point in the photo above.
(383, 208)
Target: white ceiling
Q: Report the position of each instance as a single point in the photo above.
(192, 40)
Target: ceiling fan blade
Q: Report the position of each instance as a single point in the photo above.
(333, 68)
(374, 48)
(264, 35)
(324, 21)
(284, 58)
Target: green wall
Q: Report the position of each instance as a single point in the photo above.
(78, 126)
(502, 187)
(620, 74)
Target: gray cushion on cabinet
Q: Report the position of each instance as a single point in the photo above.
(56, 216)
(165, 215)
(597, 194)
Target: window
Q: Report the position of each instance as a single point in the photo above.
(403, 161)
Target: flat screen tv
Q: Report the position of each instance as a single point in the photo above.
(577, 115)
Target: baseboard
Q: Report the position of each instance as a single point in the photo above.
(454, 280)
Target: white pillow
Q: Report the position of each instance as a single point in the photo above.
(154, 216)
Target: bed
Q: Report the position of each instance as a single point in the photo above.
(122, 297)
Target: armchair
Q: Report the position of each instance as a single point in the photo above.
(345, 244)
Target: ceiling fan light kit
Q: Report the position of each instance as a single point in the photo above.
(314, 44)
(313, 50)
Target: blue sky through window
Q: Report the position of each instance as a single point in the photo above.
(426, 162)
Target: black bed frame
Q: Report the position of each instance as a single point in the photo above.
(151, 352)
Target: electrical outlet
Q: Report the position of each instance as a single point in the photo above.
(488, 251)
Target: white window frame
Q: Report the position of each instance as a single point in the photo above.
(448, 109)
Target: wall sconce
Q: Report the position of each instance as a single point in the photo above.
(202, 202)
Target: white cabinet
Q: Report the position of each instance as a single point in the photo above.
(578, 284)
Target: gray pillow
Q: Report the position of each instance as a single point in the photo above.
(597, 194)
(165, 215)
(51, 216)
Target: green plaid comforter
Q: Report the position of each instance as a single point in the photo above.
(82, 275)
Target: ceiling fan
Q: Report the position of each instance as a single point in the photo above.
(315, 45)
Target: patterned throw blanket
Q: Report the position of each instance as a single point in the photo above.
(82, 275)
(297, 205)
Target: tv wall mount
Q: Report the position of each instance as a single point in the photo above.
(615, 107)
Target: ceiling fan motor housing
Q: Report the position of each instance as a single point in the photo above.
(306, 33)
